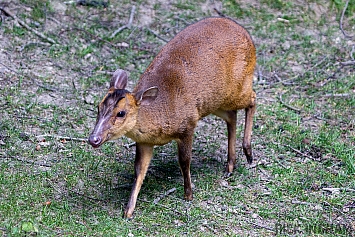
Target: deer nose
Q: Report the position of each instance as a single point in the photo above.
(95, 140)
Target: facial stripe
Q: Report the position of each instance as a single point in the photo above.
(106, 108)
(111, 100)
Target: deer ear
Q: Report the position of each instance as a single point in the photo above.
(147, 96)
(119, 79)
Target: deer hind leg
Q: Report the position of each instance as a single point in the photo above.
(144, 155)
(249, 114)
(231, 119)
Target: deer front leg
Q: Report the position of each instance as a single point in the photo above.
(231, 127)
(185, 153)
(249, 114)
(144, 153)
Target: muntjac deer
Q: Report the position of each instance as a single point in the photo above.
(205, 69)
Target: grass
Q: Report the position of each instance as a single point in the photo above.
(302, 179)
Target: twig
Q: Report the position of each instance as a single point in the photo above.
(288, 106)
(301, 153)
(105, 72)
(33, 44)
(334, 165)
(45, 17)
(182, 19)
(348, 63)
(351, 52)
(277, 77)
(260, 74)
(129, 24)
(131, 16)
(283, 20)
(12, 70)
(34, 80)
(71, 138)
(341, 21)
(297, 151)
(320, 118)
(333, 75)
(92, 3)
(342, 213)
(85, 196)
(127, 146)
(54, 187)
(30, 117)
(286, 81)
(164, 195)
(1, 19)
(54, 20)
(27, 161)
(44, 86)
(317, 64)
(302, 203)
(211, 229)
(261, 226)
(123, 186)
(337, 95)
(282, 165)
(50, 40)
(166, 207)
(158, 36)
(219, 13)
(88, 3)
(93, 35)
(83, 223)
(246, 220)
(65, 138)
(337, 190)
(252, 166)
(264, 172)
(118, 31)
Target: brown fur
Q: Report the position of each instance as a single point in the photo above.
(207, 68)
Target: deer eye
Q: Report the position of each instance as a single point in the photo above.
(121, 114)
